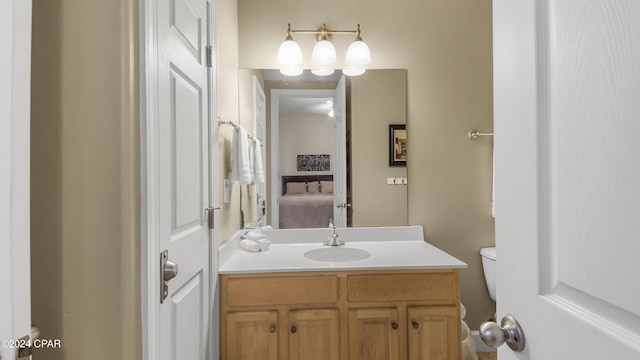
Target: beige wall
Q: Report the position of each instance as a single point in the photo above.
(446, 47)
(304, 134)
(378, 98)
(85, 242)
(228, 110)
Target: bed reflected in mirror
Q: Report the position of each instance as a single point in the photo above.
(305, 155)
(306, 201)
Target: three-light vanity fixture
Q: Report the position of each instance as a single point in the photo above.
(324, 55)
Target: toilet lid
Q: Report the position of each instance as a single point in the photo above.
(489, 252)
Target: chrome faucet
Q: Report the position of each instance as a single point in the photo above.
(333, 238)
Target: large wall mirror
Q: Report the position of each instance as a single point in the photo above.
(334, 148)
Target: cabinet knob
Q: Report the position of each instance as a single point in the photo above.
(394, 326)
(272, 329)
(294, 329)
(415, 324)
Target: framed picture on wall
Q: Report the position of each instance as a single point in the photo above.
(397, 145)
(313, 163)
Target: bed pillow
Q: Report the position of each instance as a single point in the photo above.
(313, 187)
(326, 187)
(296, 188)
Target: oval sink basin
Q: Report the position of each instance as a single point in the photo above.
(336, 254)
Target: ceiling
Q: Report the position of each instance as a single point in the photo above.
(304, 105)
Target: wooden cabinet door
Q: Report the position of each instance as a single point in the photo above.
(252, 335)
(434, 333)
(314, 334)
(374, 334)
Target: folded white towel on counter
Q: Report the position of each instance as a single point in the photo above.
(250, 245)
(254, 235)
(264, 244)
(259, 245)
(254, 239)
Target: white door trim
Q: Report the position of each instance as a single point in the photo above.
(260, 122)
(214, 180)
(149, 181)
(15, 99)
(340, 153)
(276, 95)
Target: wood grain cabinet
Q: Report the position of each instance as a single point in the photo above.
(314, 334)
(431, 331)
(374, 334)
(311, 334)
(252, 335)
(356, 315)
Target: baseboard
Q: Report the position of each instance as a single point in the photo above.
(480, 345)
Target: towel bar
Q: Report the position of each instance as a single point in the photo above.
(224, 122)
(474, 134)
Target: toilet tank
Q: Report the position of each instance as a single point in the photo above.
(489, 267)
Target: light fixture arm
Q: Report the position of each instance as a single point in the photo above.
(323, 31)
(289, 37)
(358, 38)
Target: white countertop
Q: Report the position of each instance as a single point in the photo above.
(387, 255)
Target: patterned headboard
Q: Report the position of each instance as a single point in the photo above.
(302, 178)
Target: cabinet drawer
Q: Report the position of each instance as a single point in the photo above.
(282, 291)
(402, 287)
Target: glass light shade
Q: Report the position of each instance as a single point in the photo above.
(324, 53)
(353, 71)
(322, 72)
(289, 53)
(293, 71)
(358, 54)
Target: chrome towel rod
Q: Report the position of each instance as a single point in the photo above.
(223, 122)
(474, 134)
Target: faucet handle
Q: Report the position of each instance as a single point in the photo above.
(333, 238)
(331, 223)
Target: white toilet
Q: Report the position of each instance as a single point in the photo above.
(489, 267)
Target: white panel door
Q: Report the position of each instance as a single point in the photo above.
(183, 190)
(567, 124)
(15, 71)
(260, 132)
(340, 154)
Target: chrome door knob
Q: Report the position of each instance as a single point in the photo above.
(509, 331)
(170, 270)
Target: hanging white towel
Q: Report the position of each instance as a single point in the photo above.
(258, 166)
(240, 162)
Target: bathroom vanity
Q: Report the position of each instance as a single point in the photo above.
(400, 302)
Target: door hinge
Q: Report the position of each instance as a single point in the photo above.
(209, 56)
(209, 213)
